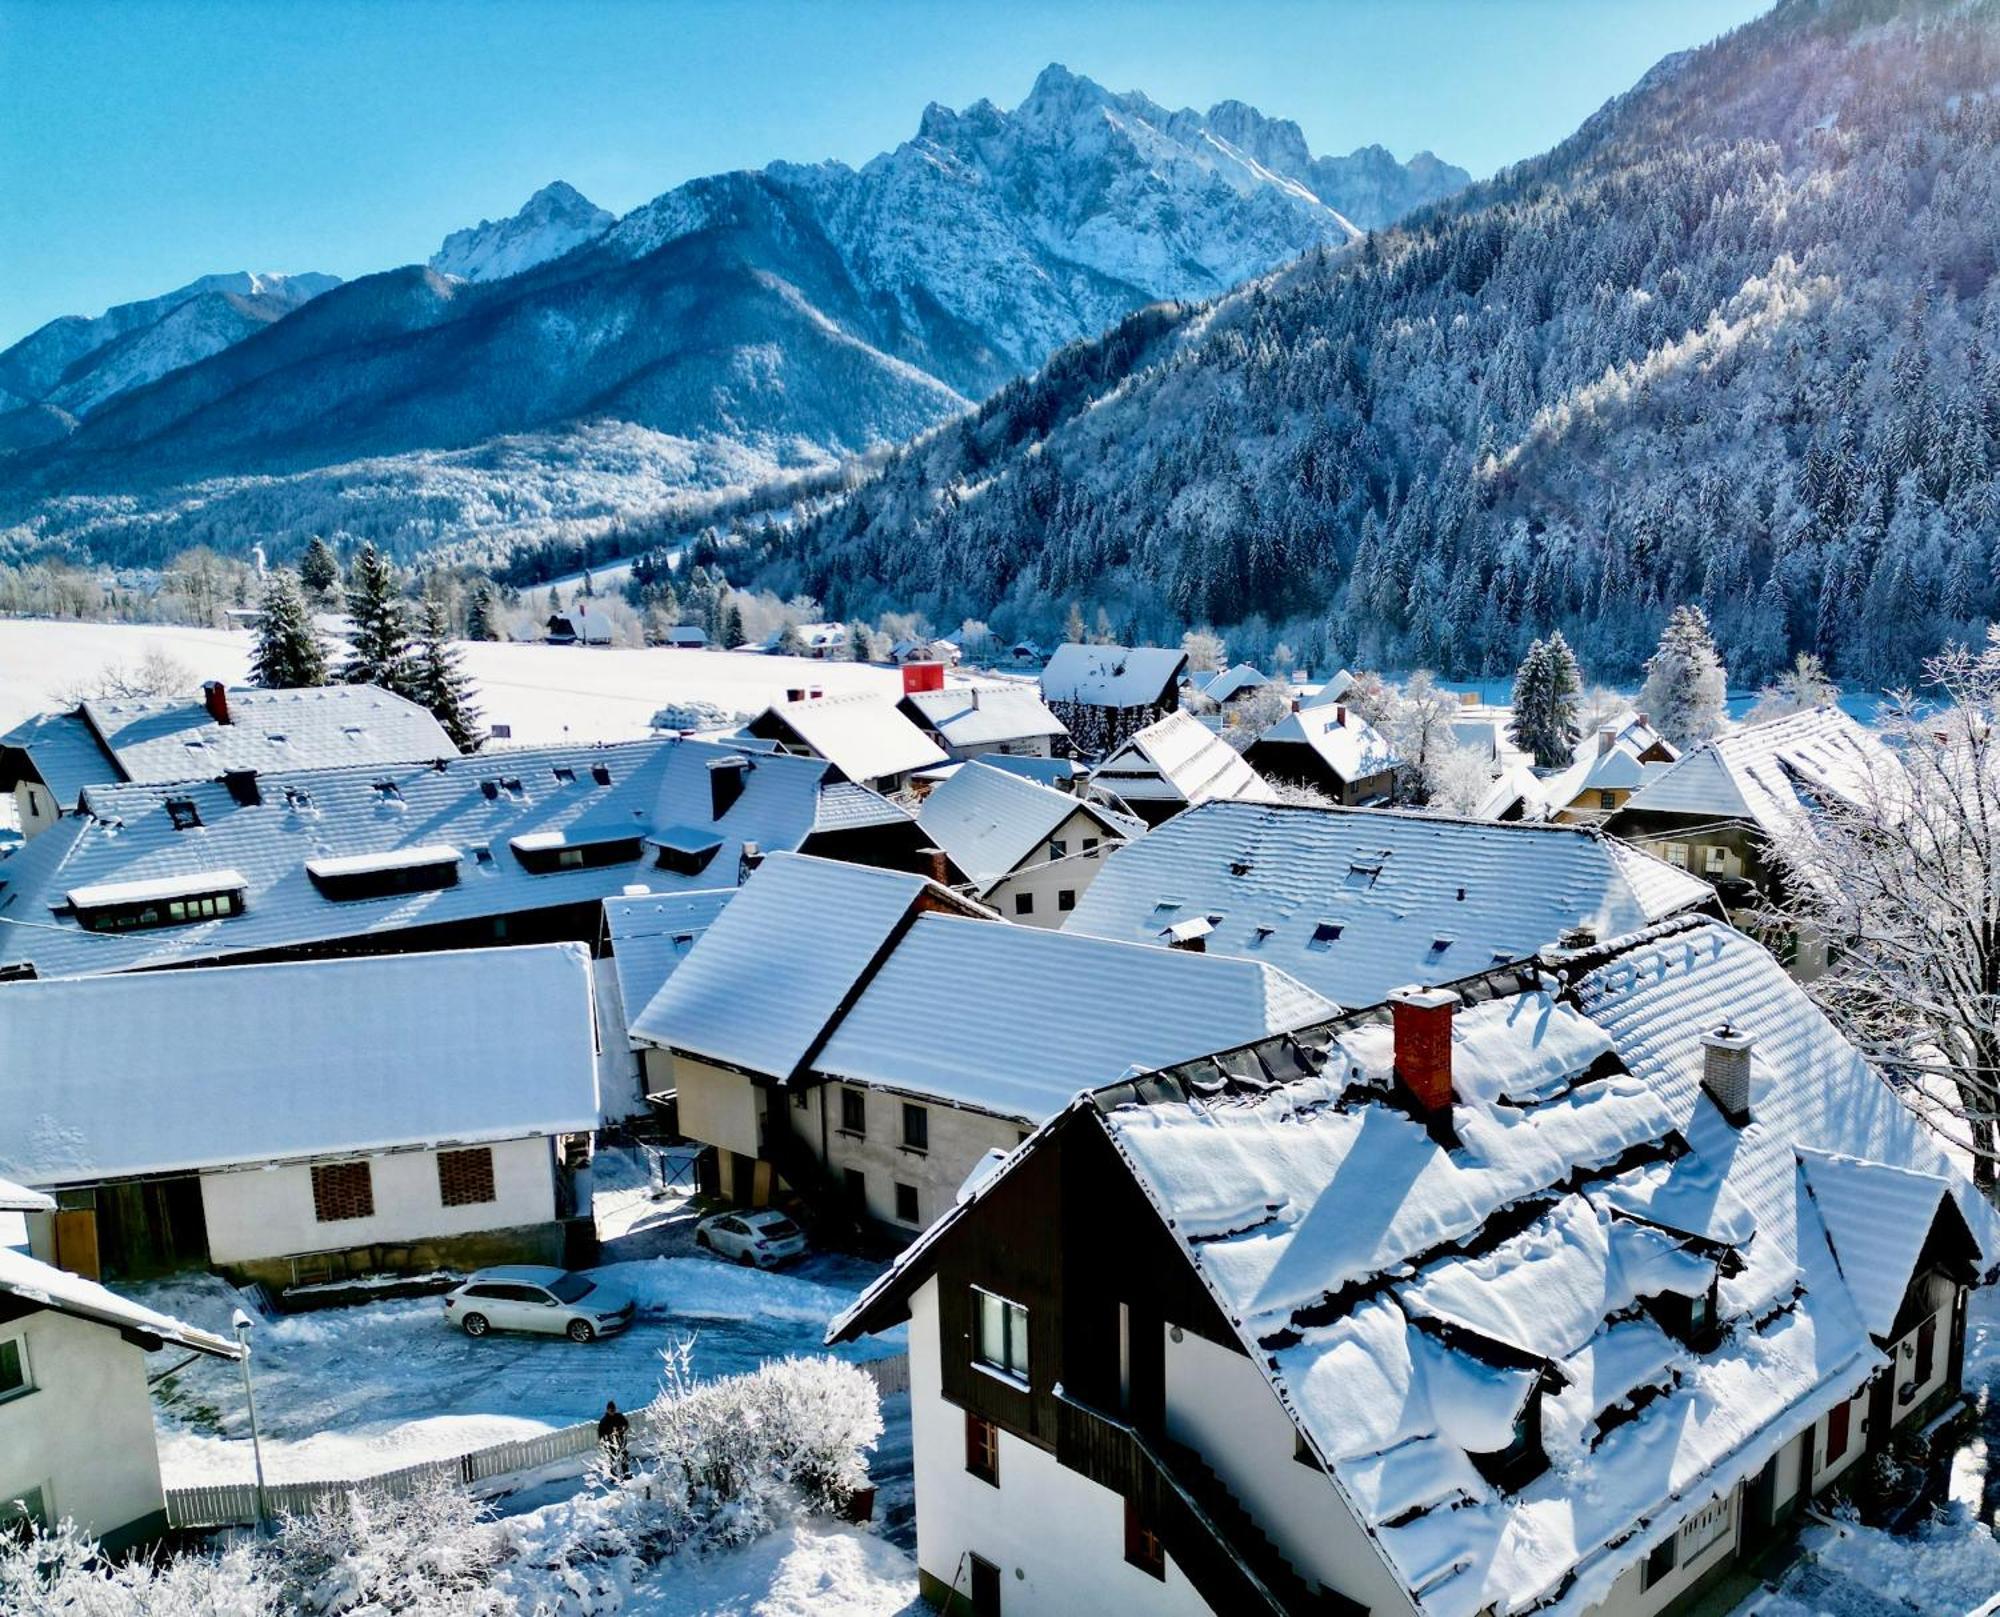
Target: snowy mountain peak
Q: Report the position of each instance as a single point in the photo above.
(557, 219)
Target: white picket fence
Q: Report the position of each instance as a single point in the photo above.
(234, 1504)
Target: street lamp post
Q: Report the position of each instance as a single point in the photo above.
(243, 1322)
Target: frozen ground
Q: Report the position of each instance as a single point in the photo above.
(809, 1570)
(545, 693)
(345, 1392)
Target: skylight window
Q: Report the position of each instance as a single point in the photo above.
(388, 791)
(565, 776)
(1326, 934)
(1439, 946)
(601, 773)
(276, 738)
(1165, 908)
(298, 799)
(1362, 876)
(183, 813)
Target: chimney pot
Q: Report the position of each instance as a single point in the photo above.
(1725, 1070)
(1607, 738)
(1340, 714)
(936, 865)
(1422, 1021)
(215, 697)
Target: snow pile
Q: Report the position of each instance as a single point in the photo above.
(702, 1288)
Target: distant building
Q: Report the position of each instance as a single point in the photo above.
(578, 626)
(1610, 765)
(322, 1119)
(1025, 849)
(685, 637)
(48, 760)
(1330, 748)
(1103, 694)
(1172, 764)
(864, 736)
(977, 719)
(1555, 1293)
(1233, 683)
(77, 1440)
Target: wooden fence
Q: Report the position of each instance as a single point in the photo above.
(234, 1504)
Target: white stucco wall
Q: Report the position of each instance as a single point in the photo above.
(84, 1436)
(1046, 879)
(959, 1137)
(1858, 1435)
(1058, 1540)
(34, 807)
(1218, 1405)
(716, 1107)
(255, 1214)
(1910, 1392)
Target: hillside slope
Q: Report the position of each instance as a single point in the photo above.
(1736, 341)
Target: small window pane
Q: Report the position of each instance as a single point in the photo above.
(916, 1127)
(13, 1368)
(906, 1204)
(853, 1112)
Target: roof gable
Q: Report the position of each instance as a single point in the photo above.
(992, 821)
(1878, 1218)
(1112, 676)
(865, 736)
(1178, 759)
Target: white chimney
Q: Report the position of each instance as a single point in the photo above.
(1607, 738)
(1725, 1071)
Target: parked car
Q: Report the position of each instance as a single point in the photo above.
(765, 1238)
(529, 1297)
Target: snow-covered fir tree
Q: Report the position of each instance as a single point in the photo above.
(379, 650)
(1685, 683)
(1545, 695)
(479, 613)
(438, 680)
(319, 568)
(1805, 684)
(288, 654)
(732, 627)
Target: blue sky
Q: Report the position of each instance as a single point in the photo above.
(145, 142)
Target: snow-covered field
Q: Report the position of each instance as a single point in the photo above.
(544, 693)
(811, 1569)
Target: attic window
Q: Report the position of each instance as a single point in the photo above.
(183, 813)
(512, 786)
(601, 773)
(1325, 934)
(135, 906)
(1361, 877)
(347, 878)
(1261, 935)
(1239, 867)
(388, 791)
(489, 789)
(276, 738)
(726, 780)
(353, 732)
(684, 850)
(543, 853)
(1439, 946)
(1524, 1458)
(565, 776)
(1165, 908)
(482, 854)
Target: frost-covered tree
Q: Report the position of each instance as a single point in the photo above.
(1804, 685)
(289, 654)
(1418, 727)
(438, 680)
(857, 641)
(1685, 683)
(479, 612)
(1546, 686)
(1900, 877)
(732, 627)
(379, 650)
(1204, 650)
(1073, 630)
(319, 568)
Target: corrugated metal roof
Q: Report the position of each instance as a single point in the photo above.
(65, 752)
(1878, 1218)
(652, 933)
(863, 735)
(1179, 759)
(991, 821)
(1016, 1020)
(267, 1063)
(985, 714)
(1393, 884)
(774, 967)
(1112, 676)
(475, 804)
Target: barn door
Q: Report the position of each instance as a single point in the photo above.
(76, 1242)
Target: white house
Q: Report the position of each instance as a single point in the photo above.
(76, 1419)
(984, 717)
(305, 1121)
(48, 760)
(1103, 693)
(1330, 748)
(1025, 849)
(1550, 1292)
(578, 625)
(1174, 763)
(1358, 902)
(864, 736)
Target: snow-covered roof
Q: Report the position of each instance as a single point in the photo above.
(1178, 759)
(42, 1285)
(355, 818)
(1049, 771)
(1112, 676)
(1015, 1020)
(863, 735)
(167, 1072)
(1359, 902)
(1334, 690)
(1768, 774)
(1233, 681)
(775, 967)
(984, 714)
(1344, 741)
(652, 933)
(1402, 1313)
(20, 1199)
(1878, 1218)
(1607, 759)
(63, 749)
(991, 821)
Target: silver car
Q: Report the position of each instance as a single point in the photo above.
(529, 1297)
(763, 1237)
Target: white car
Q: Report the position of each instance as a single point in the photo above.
(529, 1297)
(765, 1237)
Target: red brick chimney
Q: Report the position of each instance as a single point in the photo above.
(215, 695)
(922, 677)
(1422, 1019)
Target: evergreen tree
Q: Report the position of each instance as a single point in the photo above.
(379, 653)
(479, 613)
(1685, 682)
(288, 653)
(857, 642)
(319, 570)
(438, 679)
(1545, 690)
(732, 627)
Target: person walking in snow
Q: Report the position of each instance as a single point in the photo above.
(611, 1436)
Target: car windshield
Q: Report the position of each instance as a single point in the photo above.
(571, 1288)
(779, 1229)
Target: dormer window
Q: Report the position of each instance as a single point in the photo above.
(726, 780)
(137, 906)
(183, 813)
(1325, 935)
(346, 878)
(684, 850)
(543, 853)
(388, 791)
(601, 773)
(1695, 1320)
(565, 776)
(1524, 1458)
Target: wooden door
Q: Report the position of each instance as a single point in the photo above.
(985, 1588)
(76, 1242)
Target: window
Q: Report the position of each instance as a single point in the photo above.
(565, 776)
(1661, 1561)
(465, 1178)
(1838, 1421)
(1325, 935)
(916, 1127)
(342, 1190)
(1066, 899)
(547, 852)
(853, 1112)
(1676, 853)
(34, 803)
(1142, 1543)
(1718, 861)
(857, 1189)
(183, 813)
(982, 1448)
(14, 1369)
(1926, 1364)
(1090, 845)
(906, 1204)
(388, 791)
(1703, 1529)
(1701, 1316)
(601, 773)
(1058, 849)
(1607, 800)
(1001, 1336)
(1024, 903)
(19, 1509)
(348, 878)
(798, 1100)
(182, 911)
